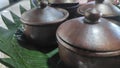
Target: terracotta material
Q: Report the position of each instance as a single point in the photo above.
(75, 60)
(104, 6)
(40, 24)
(89, 42)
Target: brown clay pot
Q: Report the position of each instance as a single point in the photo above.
(105, 7)
(40, 24)
(89, 42)
(70, 5)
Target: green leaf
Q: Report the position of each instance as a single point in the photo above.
(31, 4)
(19, 56)
(22, 9)
(16, 19)
(7, 62)
(22, 57)
(50, 54)
(8, 22)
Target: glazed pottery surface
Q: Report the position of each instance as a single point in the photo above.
(40, 24)
(105, 7)
(89, 42)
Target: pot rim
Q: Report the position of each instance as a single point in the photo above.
(76, 1)
(84, 52)
(65, 12)
(68, 5)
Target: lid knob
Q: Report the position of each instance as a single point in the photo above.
(91, 16)
(40, 3)
(99, 1)
(43, 3)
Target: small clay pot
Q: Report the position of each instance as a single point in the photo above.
(89, 42)
(105, 7)
(70, 5)
(40, 24)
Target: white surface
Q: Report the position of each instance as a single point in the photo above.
(15, 9)
(4, 3)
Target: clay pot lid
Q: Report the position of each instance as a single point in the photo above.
(44, 15)
(104, 6)
(91, 33)
(64, 1)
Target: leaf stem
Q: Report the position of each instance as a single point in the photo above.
(50, 54)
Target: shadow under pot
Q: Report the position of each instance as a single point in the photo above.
(89, 42)
(40, 24)
(105, 7)
(70, 5)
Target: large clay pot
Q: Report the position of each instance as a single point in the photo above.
(90, 42)
(105, 7)
(40, 24)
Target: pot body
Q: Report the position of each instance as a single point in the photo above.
(75, 60)
(70, 7)
(43, 35)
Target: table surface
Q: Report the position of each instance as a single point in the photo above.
(4, 3)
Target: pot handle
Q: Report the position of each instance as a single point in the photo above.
(92, 16)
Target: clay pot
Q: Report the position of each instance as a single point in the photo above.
(70, 5)
(105, 7)
(90, 42)
(40, 24)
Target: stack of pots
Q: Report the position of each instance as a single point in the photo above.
(90, 41)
